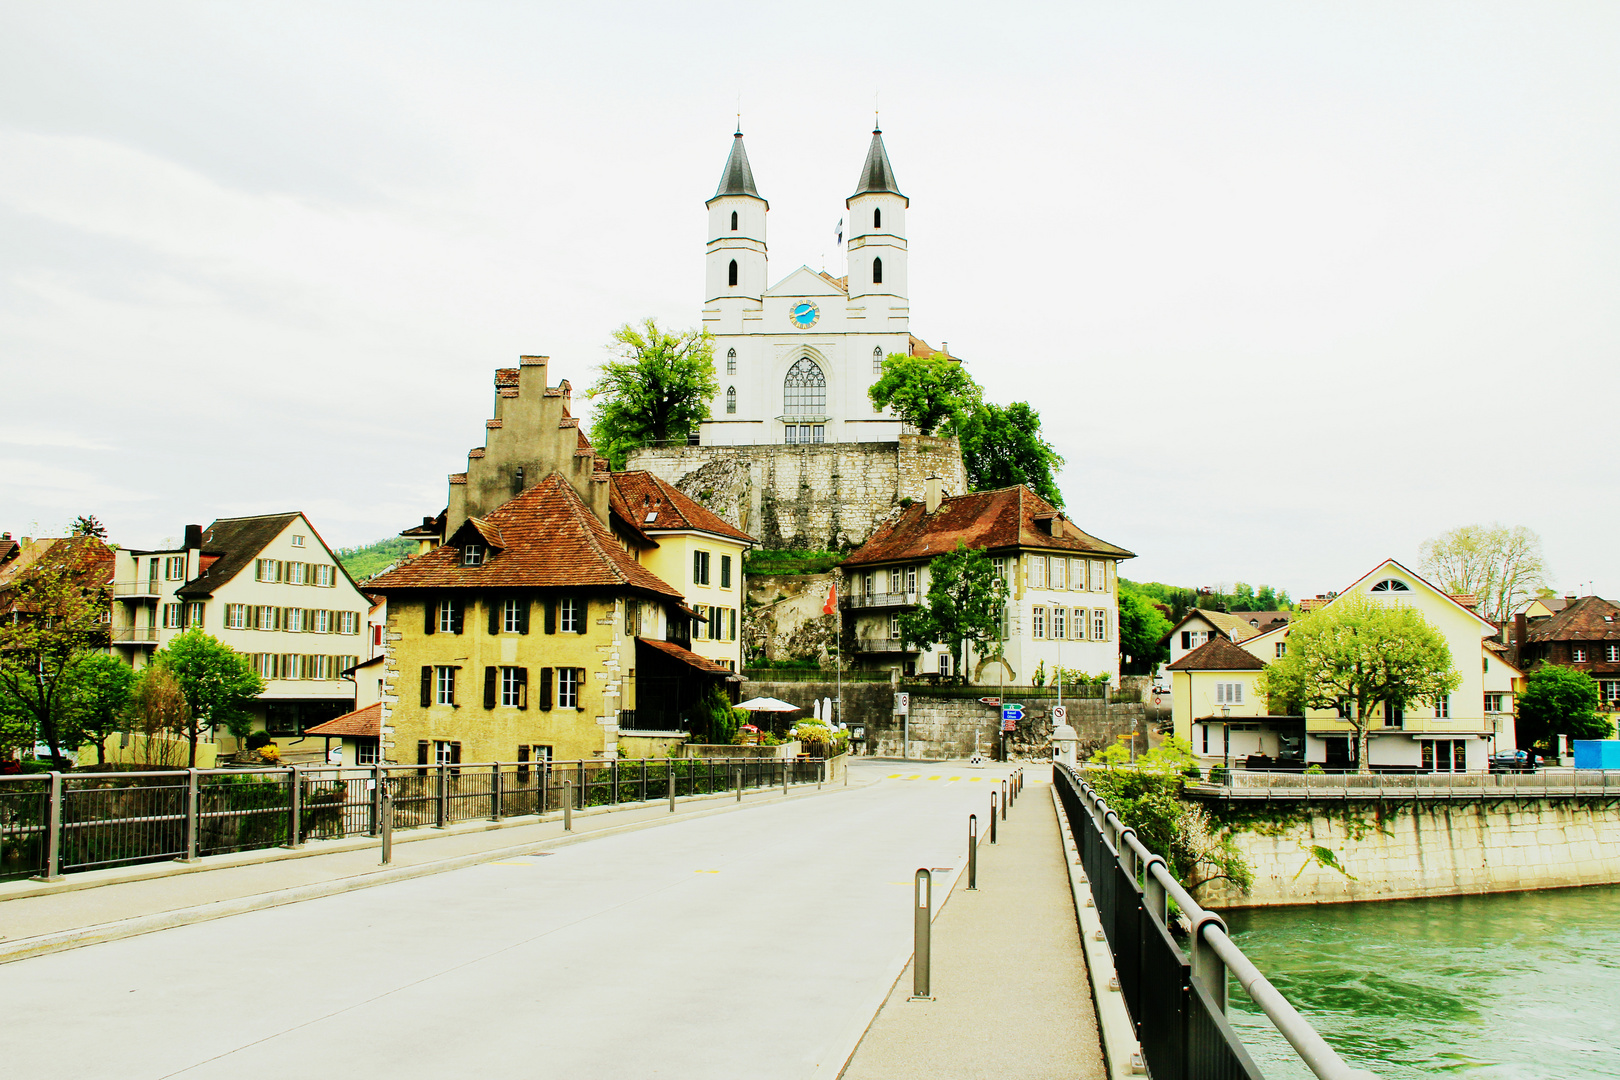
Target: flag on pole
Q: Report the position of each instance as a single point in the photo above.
(840, 230)
(832, 600)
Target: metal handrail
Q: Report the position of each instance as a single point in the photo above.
(1214, 954)
(1545, 783)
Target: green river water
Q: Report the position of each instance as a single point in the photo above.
(1511, 986)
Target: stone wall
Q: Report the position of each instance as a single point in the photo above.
(945, 727)
(1430, 848)
(783, 618)
(817, 496)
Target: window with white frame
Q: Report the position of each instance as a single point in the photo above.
(1282, 649)
(1609, 689)
(174, 568)
(515, 687)
(1442, 707)
(1059, 573)
(568, 615)
(999, 563)
(896, 580)
(1391, 585)
(472, 555)
(1059, 622)
(1037, 622)
(1099, 575)
(894, 627)
(172, 615)
(444, 686)
(568, 688)
(1228, 693)
(266, 617)
(1099, 624)
(349, 622)
(325, 576)
(296, 620)
(297, 573)
(1611, 654)
(877, 361)
(1037, 571)
(511, 615)
(365, 752)
(323, 621)
(444, 752)
(297, 541)
(1493, 703)
(911, 579)
(194, 613)
(447, 616)
(945, 665)
(236, 617)
(1578, 655)
(266, 570)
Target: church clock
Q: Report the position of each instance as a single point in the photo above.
(805, 314)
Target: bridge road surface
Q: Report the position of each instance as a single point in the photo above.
(754, 944)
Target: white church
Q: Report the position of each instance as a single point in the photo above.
(795, 359)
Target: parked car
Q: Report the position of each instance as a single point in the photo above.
(1514, 761)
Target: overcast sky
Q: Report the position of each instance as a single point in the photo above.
(1294, 286)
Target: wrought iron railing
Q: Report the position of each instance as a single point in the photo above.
(1176, 995)
(1239, 783)
(134, 634)
(136, 589)
(56, 823)
(855, 601)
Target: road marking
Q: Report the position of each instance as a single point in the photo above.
(936, 778)
(892, 776)
(705, 871)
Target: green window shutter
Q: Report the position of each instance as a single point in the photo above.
(551, 616)
(545, 689)
(427, 687)
(422, 752)
(523, 687)
(582, 614)
(697, 567)
(432, 609)
(490, 675)
(523, 614)
(494, 603)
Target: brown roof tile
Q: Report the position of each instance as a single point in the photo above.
(686, 656)
(1218, 654)
(985, 520)
(1591, 618)
(654, 505)
(360, 724)
(237, 542)
(552, 540)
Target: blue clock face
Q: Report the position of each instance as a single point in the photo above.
(805, 315)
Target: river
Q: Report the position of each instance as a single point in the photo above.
(1509, 986)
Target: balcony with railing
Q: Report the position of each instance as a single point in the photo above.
(856, 601)
(883, 645)
(136, 590)
(134, 635)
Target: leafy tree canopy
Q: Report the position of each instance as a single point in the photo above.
(1502, 567)
(657, 390)
(1556, 701)
(53, 623)
(102, 689)
(1241, 597)
(1358, 653)
(1004, 446)
(925, 391)
(88, 525)
(218, 684)
(964, 606)
(1142, 630)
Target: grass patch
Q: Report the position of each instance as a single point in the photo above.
(788, 561)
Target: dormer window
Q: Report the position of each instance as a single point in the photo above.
(1391, 585)
(877, 218)
(734, 221)
(732, 275)
(877, 271)
(472, 555)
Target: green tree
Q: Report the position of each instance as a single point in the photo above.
(88, 525)
(52, 624)
(103, 688)
(1559, 701)
(1354, 655)
(657, 390)
(1143, 630)
(158, 716)
(925, 391)
(1004, 446)
(1499, 566)
(964, 606)
(218, 684)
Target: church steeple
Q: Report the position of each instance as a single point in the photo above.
(737, 178)
(877, 175)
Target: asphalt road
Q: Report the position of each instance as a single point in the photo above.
(752, 944)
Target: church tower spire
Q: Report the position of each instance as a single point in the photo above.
(736, 250)
(877, 231)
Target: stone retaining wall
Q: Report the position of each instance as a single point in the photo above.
(1430, 848)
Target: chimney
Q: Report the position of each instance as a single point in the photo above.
(932, 497)
(193, 536)
(5, 536)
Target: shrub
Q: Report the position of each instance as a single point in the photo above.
(1314, 770)
(257, 740)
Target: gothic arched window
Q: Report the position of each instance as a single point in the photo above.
(734, 221)
(731, 361)
(804, 393)
(732, 278)
(731, 399)
(877, 361)
(877, 218)
(877, 272)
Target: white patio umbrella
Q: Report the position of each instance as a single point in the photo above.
(767, 704)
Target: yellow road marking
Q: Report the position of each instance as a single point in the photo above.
(705, 871)
(892, 776)
(933, 778)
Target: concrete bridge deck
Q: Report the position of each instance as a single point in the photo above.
(754, 943)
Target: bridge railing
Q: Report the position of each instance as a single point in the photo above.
(1176, 996)
(56, 823)
(1548, 783)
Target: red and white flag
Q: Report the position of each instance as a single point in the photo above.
(832, 600)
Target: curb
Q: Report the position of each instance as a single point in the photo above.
(64, 940)
(1114, 1025)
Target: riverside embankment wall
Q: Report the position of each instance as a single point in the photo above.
(1399, 850)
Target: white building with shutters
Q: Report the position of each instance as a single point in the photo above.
(795, 359)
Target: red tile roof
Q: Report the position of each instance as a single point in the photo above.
(1218, 654)
(360, 724)
(1591, 618)
(985, 520)
(552, 540)
(654, 505)
(686, 656)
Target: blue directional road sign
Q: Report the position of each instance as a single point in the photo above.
(1012, 712)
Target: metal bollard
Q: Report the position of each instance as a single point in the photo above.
(1004, 800)
(973, 853)
(784, 777)
(295, 808)
(739, 785)
(672, 789)
(53, 833)
(387, 828)
(992, 817)
(191, 817)
(922, 926)
(568, 806)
